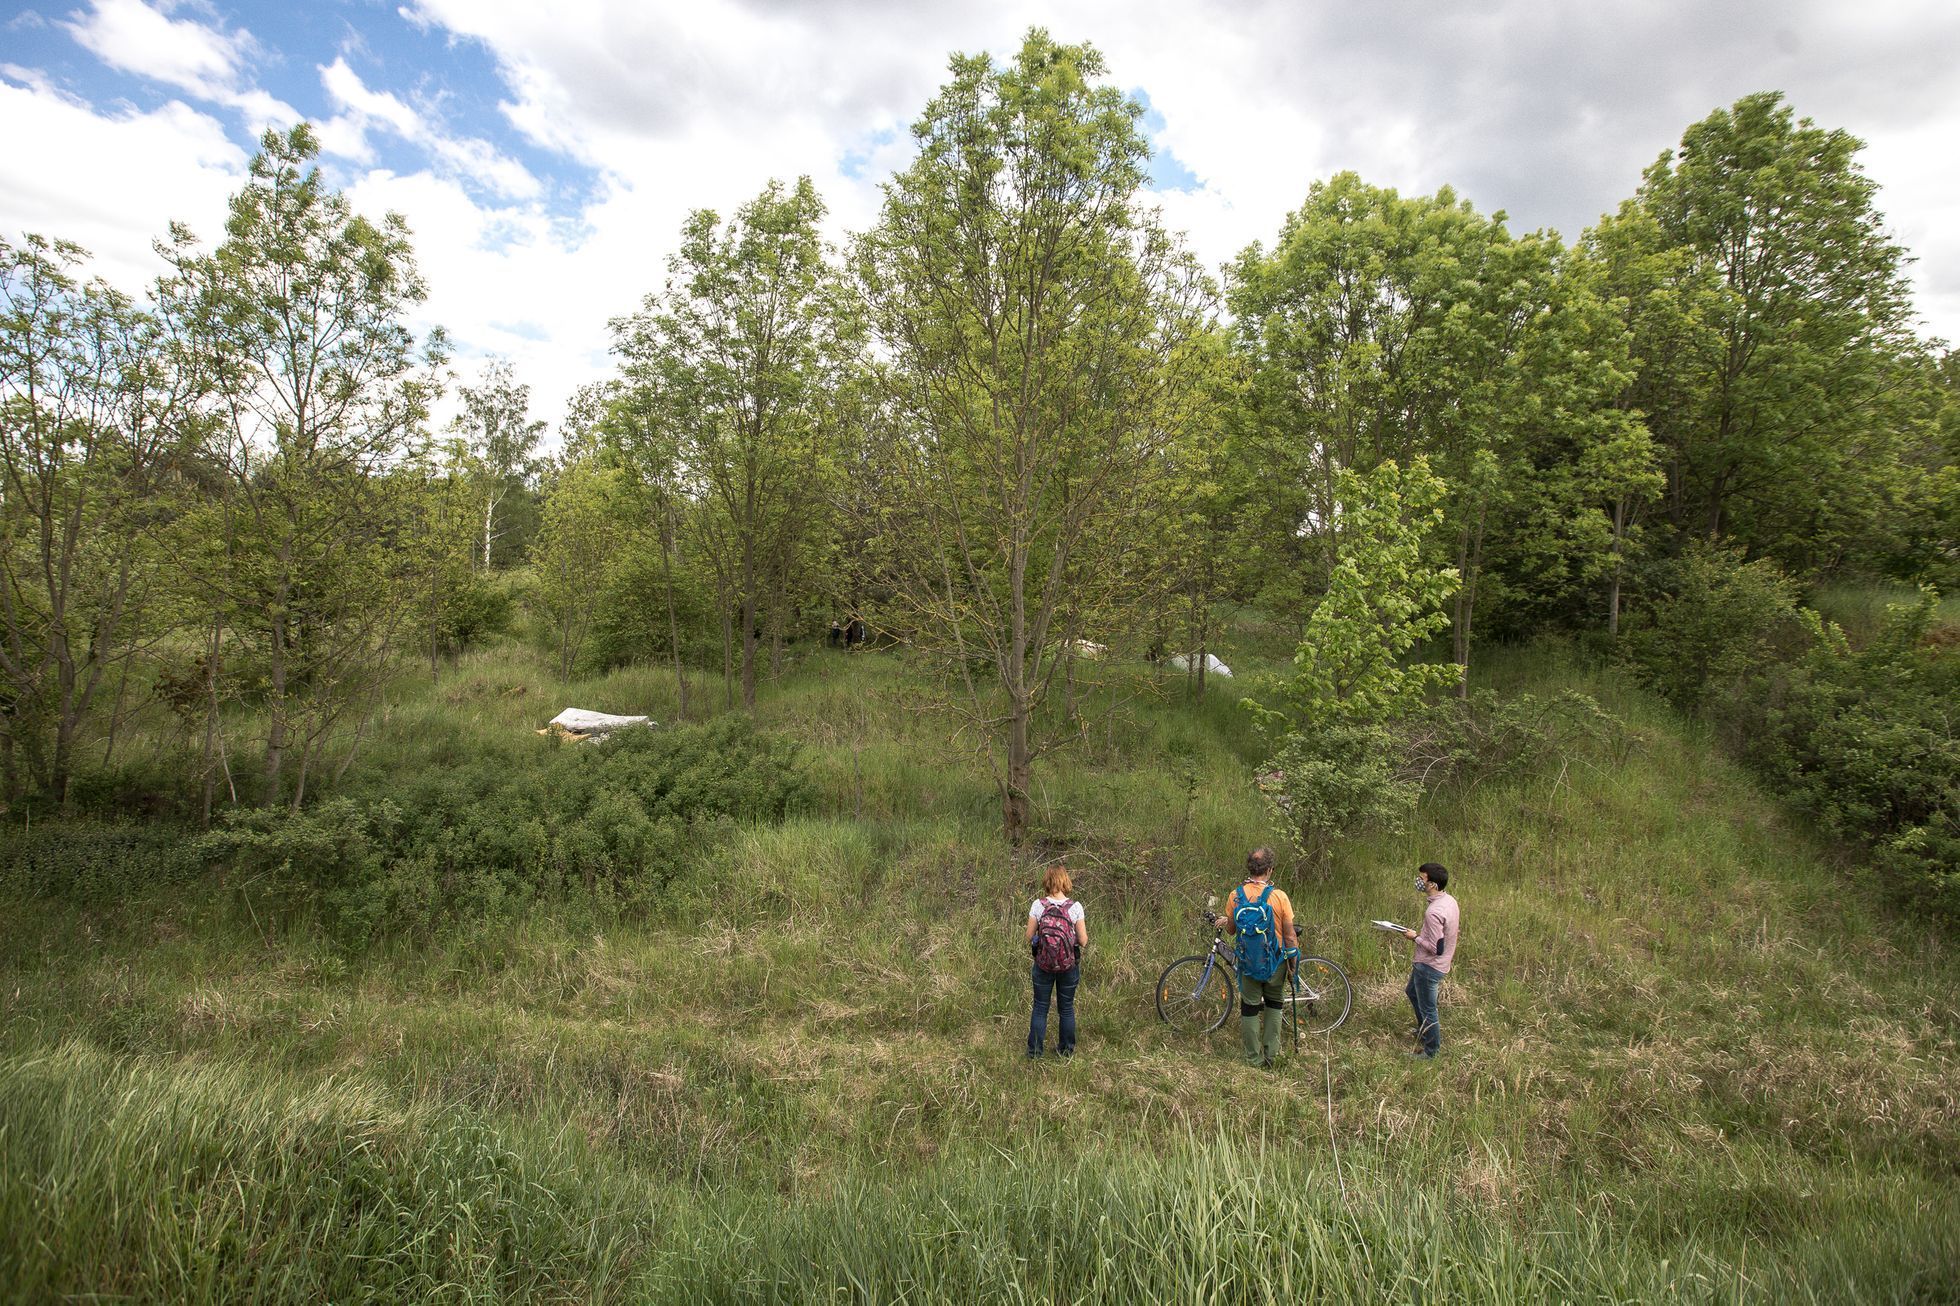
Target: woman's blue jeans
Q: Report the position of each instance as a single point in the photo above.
(1423, 983)
(1060, 988)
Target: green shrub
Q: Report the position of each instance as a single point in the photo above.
(481, 840)
(1709, 620)
(1865, 741)
(631, 624)
(1343, 779)
(84, 861)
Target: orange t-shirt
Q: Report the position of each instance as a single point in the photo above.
(1281, 904)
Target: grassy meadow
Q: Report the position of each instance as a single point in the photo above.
(1690, 1054)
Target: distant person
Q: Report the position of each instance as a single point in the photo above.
(854, 632)
(1056, 937)
(1260, 919)
(1435, 951)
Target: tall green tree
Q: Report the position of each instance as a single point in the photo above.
(629, 424)
(587, 523)
(1788, 438)
(91, 410)
(1380, 327)
(494, 418)
(1334, 761)
(298, 320)
(1038, 342)
(732, 360)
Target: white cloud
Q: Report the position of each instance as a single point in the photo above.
(210, 64)
(1542, 109)
(143, 170)
(131, 36)
(362, 109)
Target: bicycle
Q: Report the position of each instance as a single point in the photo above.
(1196, 994)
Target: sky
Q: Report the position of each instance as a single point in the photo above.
(545, 155)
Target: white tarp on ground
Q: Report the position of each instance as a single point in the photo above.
(581, 722)
(1213, 667)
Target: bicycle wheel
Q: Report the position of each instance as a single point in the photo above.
(1192, 998)
(1323, 998)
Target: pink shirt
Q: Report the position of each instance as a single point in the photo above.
(1436, 940)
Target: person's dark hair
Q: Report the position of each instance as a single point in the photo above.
(1439, 874)
(1259, 862)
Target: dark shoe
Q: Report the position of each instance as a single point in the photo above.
(1067, 1052)
(1033, 1055)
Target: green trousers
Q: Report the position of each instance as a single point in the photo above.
(1261, 1008)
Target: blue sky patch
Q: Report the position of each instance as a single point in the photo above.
(453, 85)
(1167, 171)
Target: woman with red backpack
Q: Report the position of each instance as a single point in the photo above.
(1056, 936)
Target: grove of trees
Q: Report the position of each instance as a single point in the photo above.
(1011, 420)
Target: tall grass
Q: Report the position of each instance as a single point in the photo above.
(1688, 1055)
(130, 1177)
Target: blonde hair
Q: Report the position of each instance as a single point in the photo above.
(1057, 881)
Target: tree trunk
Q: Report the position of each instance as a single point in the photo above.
(1613, 585)
(727, 651)
(748, 624)
(489, 518)
(275, 735)
(64, 735)
(1014, 795)
(1460, 616)
(210, 786)
(673, 622)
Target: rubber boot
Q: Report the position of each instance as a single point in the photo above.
(1272, 1018)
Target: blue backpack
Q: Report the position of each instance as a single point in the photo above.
(1258, 935)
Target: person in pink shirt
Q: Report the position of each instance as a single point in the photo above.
(1435, 951)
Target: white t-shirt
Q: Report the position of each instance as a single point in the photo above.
(1074, 909)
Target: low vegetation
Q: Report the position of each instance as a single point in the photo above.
(1688, 1057)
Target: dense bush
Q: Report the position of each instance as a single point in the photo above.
(88, 862)
(1865, 740)
(1345, 778)
(1709, 619)
(631, 624)
(480, 840)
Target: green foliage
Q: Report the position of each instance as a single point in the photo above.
(1793, 362)
(1383, 600)
(587, 529)
(1866, 741)
(1336, 781)
(483, 840)
(1335, 767)
(301, 553)
(1042, 341)
(495, 422)
(89, 862)
(1710, 619)
(729, 371)
(91, 410)
(633, 624)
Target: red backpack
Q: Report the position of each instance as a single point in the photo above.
(1055, 946)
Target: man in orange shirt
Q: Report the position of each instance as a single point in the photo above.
(1261, 917)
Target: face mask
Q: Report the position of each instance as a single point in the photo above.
(1422, 885)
